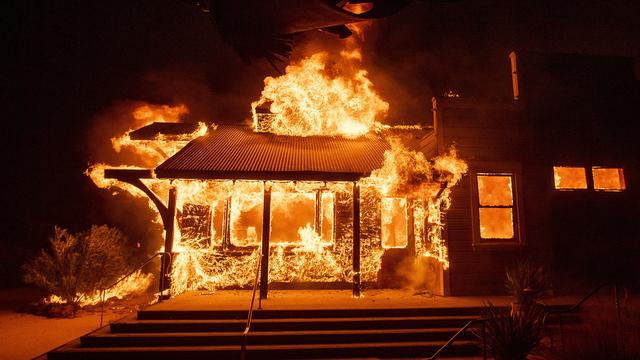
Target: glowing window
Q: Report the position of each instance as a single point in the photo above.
(394, 223)
(608, 179)
(496, 206)
(246, 214)
(326, 219)
(569, 178)
(291, 211)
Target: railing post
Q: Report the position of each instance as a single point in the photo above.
(102, 308)
(617, 296)
(484, 340)
(561, 331)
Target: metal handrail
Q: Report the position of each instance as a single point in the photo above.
(245, 333)
(577, 306)
(544, 319)
(103, 291)
(463, 329)
(589, 296)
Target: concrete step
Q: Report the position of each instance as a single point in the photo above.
(294, 324)
(104, 338)
(306, 351)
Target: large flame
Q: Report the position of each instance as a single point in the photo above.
(313, 98)
(147, 153)
(136, 283)
(217, 240)
(428, 183)
(150, 153)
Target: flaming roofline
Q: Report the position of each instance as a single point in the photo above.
(237, 152)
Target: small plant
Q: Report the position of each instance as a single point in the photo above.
(527, 282)
(513, 336)
(77, 264)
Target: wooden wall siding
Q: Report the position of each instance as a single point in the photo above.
(429, 145)
(480, 132)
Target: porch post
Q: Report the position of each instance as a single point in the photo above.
(356, 240)
(411, 238)
(266, 233)
(169, 228)
(226, 224)
(318, 219)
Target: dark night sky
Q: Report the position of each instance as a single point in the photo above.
(68, 62)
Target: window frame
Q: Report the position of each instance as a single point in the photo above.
(514, 170)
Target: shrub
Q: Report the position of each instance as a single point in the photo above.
(527, 282)
(513, 336)
(80, 263)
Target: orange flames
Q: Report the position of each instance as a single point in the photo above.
(145, 153)
(220, 222)
(151, 153)
(135, 284)
(316, 98)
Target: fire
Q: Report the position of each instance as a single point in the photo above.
(136, 283)
(219, 223)
(150, 153)
(313, 98)
(410, 175)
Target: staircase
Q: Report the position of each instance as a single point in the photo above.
(279, 334)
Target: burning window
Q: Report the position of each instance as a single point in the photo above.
(246, 214)
(608, 179)
(394, 223)
(496, 206)
(569, 178)
(326, 219)
(290, 211)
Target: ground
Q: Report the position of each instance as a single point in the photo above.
(25, 336)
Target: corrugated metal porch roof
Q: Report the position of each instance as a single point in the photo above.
(237, 152)
(167, 129)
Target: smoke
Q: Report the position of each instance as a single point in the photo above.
(420, 274)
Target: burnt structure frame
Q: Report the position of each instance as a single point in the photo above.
(168, 215)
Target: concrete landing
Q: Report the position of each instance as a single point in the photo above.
(330, 299)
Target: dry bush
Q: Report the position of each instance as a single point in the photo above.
(79, 263)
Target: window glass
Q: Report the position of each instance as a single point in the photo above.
(496, 223)
(495, 190)
(608, 179)
(291, 211)
(496, 206)
(569, 178)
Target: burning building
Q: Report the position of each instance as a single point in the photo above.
(322, 195)
(314, 209)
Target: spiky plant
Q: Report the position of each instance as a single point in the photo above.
(513, 336)
(527, 282)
